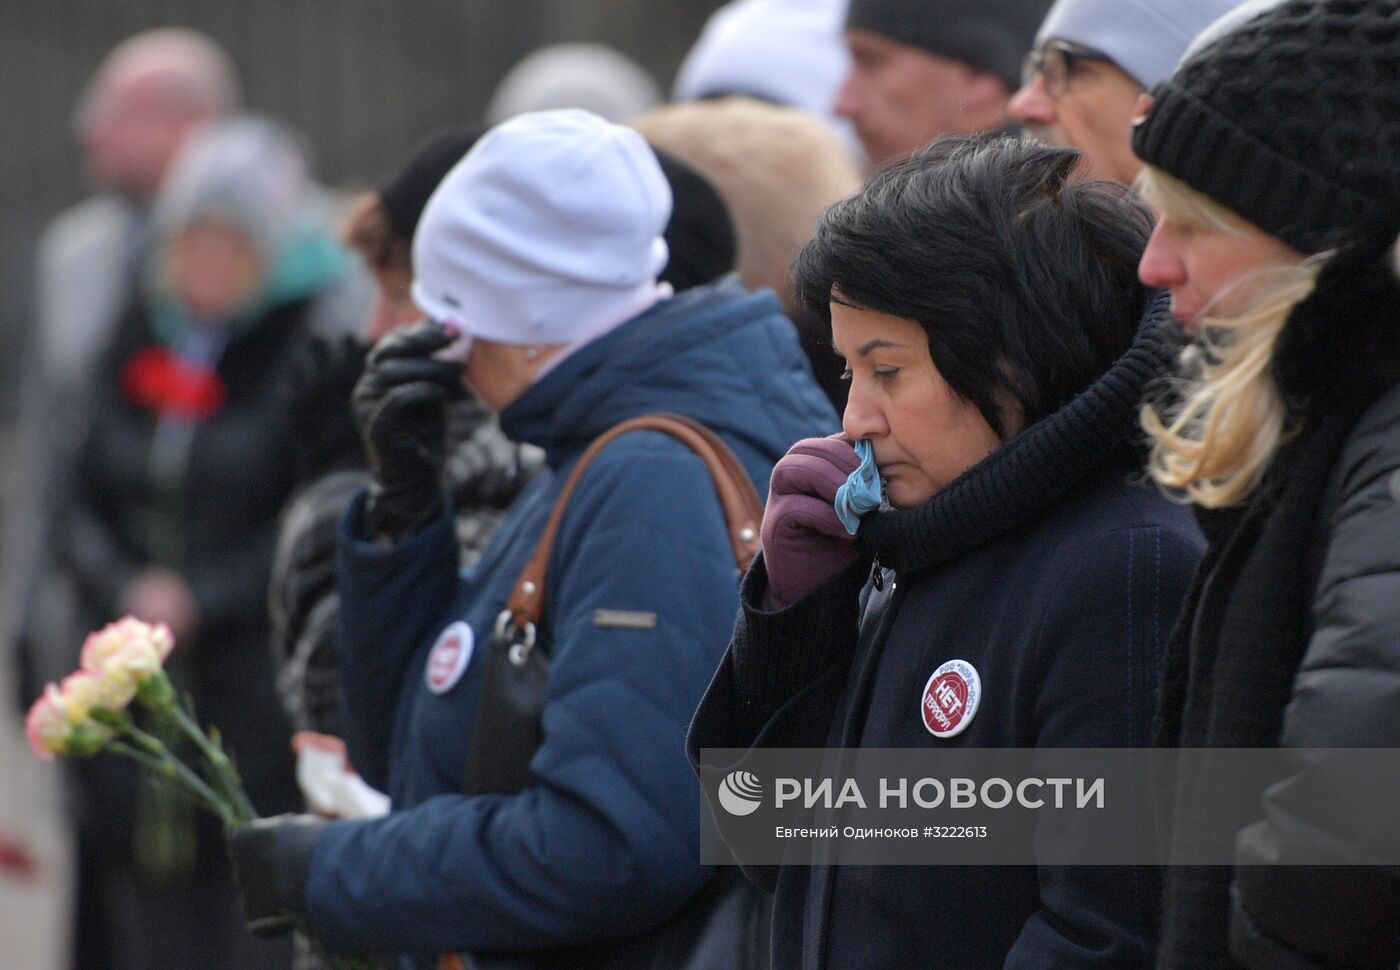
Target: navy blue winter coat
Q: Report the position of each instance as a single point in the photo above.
(1057, 575)
(606, 844)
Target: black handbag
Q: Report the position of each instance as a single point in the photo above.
(726, 925)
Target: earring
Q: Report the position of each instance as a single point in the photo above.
(531, 353)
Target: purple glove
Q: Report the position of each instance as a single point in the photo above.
(804, 543)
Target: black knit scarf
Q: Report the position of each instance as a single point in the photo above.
(1231, 660)
(1037, 468)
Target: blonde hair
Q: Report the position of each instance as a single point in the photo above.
(1224, 418)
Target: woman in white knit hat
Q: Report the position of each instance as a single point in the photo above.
(536, 262)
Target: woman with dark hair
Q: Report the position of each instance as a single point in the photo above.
(997, 345)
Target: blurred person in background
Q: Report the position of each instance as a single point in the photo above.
(149, 95)
(1270, 160)
(145, 100)
(778, 169)
(920, 69)
(539, 255)
(186, 461)
(786, 52)
(1091, 62)
(591, 77)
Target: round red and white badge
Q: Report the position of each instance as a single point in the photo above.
(449, 657)
(950, 699)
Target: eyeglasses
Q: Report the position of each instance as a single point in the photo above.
(1055, 61)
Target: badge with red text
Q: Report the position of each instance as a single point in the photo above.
(950, 699)
(449, 657)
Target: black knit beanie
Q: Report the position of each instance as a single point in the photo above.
(993, 35)
(1292, 120)
(700, 235)
(405, 194)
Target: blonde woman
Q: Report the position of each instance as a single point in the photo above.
(1273, 171)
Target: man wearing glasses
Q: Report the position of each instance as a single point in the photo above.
(1092, 59)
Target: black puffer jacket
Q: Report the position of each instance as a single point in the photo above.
(1291, 637)
(1346, 694)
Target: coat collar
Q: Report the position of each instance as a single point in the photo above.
(1036, 469)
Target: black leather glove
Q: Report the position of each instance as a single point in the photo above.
(399, 404)
(271, 863)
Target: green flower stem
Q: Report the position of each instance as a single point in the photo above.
(155, 747)
(228, 802)
(242, 809)
(155, 764)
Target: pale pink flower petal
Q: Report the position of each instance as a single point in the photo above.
(124, 654)
(116, 685)
(46, 725)
(78, 694)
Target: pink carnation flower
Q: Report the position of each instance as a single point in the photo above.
(122, 656)
(78, 694)
(46, 726)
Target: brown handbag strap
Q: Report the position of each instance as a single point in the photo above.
(742, 510)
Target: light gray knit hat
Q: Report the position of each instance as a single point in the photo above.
(1145, 38)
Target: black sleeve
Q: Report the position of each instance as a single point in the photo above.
(774, 656)
(779, 680)
(1346, 695)
(304, 604)
(100, 564)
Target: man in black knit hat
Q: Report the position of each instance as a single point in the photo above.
(923, 69)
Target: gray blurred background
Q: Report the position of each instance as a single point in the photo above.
(365, 80)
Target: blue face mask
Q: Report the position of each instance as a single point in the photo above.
(861, 493)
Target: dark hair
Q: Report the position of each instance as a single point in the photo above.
(700, 235)
(381, 223)
(1024, 281)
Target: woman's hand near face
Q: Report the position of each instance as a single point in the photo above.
(804, 542)
(400, 406)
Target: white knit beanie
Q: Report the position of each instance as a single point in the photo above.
(1145, 38)
(593, 77)
(790, 52)
(548, 230)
